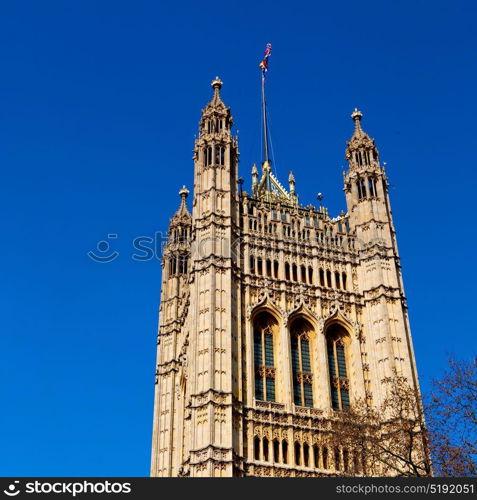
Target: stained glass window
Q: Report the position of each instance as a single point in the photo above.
(339, 383)
(264, 358)
(301, 363)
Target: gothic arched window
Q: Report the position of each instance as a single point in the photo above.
(219, 155)
(300, 333)
(276, 450)
(367, 158)
(316, 455)
(208, 156)
(306, 455)
(303, 274)
(252, 264)
(325, 458)
(256, 447)
(183, 264)
(264, 326)
(361, 188)
(285, 452)
(337, 279)
(336, 337)
(269, 268)
(297, 453)
(372, 186)
(322, 277)
(265, 449)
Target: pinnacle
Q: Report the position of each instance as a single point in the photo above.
(217, 83)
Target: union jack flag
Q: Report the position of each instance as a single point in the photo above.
(264, 63)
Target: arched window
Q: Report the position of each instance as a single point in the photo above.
(276, 450)
(337, 279)
(310, 275)
(297, 453)
(361, 188)
(287, 271)
(269, 268)
(285, 452)
(265, 449)
(300, 333)
(208, 155)
(328, 278)
(252, 264)
(275, 268)
(336, 337)
(345, 460)
(325, 457)
(343, 280)
(337, 459)
(256, 448)
(306, 455)
(259, 266)
(367, 158)
(183, 264)
(219, 155)
(316, 455)
(294, 272)
(303, 274)
(371, 186)
(264, 326)
(322, 277)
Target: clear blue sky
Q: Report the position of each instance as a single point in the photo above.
(99, 106)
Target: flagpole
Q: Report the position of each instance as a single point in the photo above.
(265, 128)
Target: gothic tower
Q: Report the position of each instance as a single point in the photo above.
(274, 316)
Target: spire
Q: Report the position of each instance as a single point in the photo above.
(291, 182)
(217, 85)
(357, 115)
(182, 214)
(360, 150)
(216, 117)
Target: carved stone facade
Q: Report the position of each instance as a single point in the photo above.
(273, 316)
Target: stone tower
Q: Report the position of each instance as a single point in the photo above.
(273, 316)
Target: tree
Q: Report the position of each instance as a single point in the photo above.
(451, 416)
(390, 439)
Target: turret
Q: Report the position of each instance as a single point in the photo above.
(365, 182)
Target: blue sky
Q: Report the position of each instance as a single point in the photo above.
(99, 106)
